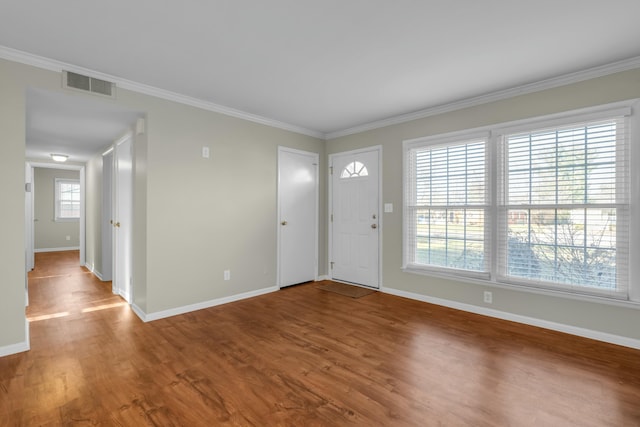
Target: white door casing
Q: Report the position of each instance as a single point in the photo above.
(354, 217)
(29, 239)
(30, 215)
(297, 216)
(123, 217)
(107, 215)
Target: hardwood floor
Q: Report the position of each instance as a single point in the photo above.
(301, 357)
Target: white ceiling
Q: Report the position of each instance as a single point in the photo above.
(329, 65)
(76, 126)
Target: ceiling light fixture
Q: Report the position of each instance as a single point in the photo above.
(59, 157)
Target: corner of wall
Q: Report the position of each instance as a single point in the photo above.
(18, 347)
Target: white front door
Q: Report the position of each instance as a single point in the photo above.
(297, 216)
(355, 217)
(122, 218)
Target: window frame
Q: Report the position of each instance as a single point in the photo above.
(493, 151)
(57, 201)
(434, 142)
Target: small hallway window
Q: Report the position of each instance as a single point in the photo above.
(67, 199)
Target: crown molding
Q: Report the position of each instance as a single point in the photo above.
(58, 66)
(591, 73)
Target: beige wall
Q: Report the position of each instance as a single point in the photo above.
(49, 233)
(12, 244)
(205, 216)
(193, 217)
(622, 321)
(140, 240)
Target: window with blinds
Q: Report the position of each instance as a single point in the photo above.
(67, 199)
(564, 207)
(543, 203)
(446, 195)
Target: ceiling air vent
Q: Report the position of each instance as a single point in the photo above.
(88, 84)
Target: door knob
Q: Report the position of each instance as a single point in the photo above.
(117, 224)
(284, 223)
(374, 226)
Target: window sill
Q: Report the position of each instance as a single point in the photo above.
(522, 288)
(66, 220)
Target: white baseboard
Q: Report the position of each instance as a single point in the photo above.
(94, 272)
(72, 248)
(139, 312)
(19, 347)
(560, 327)
(149, 317)
(323, 277)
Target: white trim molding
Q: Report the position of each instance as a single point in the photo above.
(71, 248)
(566, 79)
(94, 271)
(149, 317)
(58, 66)
(532, 321)
(18, 347)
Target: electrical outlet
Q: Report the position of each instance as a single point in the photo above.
(227, 275)
(205, 152)
(488, 297)
(68, 237)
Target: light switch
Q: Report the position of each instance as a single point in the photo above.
(388, 207)
(205, 152)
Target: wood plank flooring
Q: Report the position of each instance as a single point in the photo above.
(300, 357)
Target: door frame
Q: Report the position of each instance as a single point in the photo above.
(124, 290)
(106, 226)
(316, 158)
(29, 215)
(378, 150)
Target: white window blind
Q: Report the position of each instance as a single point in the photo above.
(446, 201)
(564, 207)
(541, 203)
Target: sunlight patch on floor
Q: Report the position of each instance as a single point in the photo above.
(48, 316)
(84, 310)
(103, 307)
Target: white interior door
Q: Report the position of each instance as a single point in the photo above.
(122, 218)
(297, 216)
(355, 218)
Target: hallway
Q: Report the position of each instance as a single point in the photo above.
(58, 287)
(73, 316)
